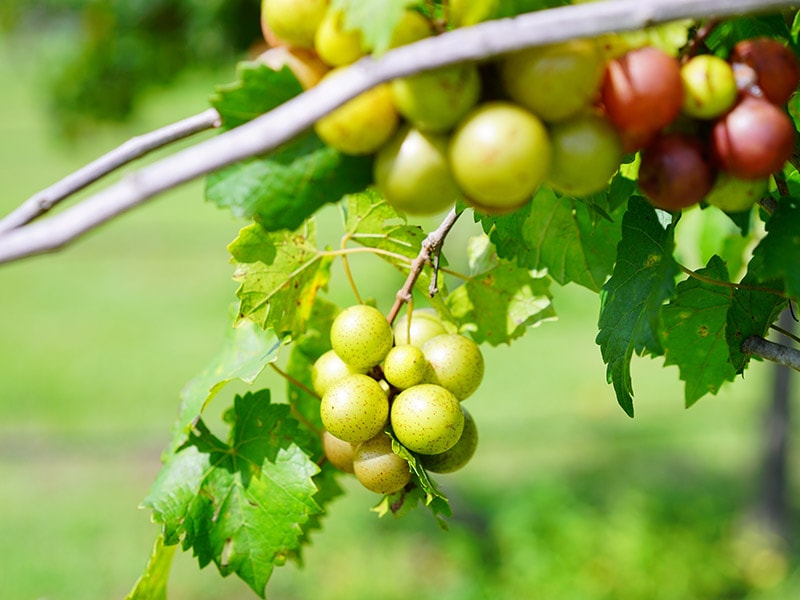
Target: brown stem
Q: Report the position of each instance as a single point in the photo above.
(728, 284)
(294, 381)
(698, 41)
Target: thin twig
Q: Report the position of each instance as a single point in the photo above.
(288, 120)
(698, 41)
(136, 147)
(785, 332)
(778, 353)
(728, 284)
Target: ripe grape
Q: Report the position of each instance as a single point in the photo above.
(335, 45)
(736, 195)
(554, 82)
(642, 91)
(405, 366)
(459, 455)
(338, 452)
(499, 155)
(766, 67)
(304, 64)
(587, 151)
(411, 171)
(378, 468)
(456, 363)
(675, 172)
(355, 408)
(413, 26)
(425, 324)
(437, 100)
(328, 369)
(361, 336)
(427, 418)
(753, 140)
(464, 13)
(294, 21)
(709, 87)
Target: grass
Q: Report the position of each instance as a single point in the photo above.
(567, 497)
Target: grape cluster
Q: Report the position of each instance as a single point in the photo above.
(408, 380)
(564, 115)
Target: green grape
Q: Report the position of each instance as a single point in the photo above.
(378, 468)
(554, 82)
(587, 151)
(459, 455)
(361, 336)
(709, 87)
(412, 27)
(425, 324)
(736, 195)
(437, 100)
(412, 173)
(338, 452)
(427, 418)
(294, 22)
(354, 408)
(335, 45)
(499, 155)
(363, 124)
(456, 363)
(328, 369)
(464, 13)
(405, 366)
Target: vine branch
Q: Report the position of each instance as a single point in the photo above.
(288, 120)
(778, 353)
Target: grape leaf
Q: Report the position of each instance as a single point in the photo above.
(152, 585)
(243, 504)
(283, 188)
(280, 274)
(778, 253)
(643, 278)
(500, 300)
(730, 31)
(559, 234)
(375, 19)
(694, 332)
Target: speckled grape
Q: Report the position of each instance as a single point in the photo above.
(459, 455)
(338, 452)
(427, 419)
(355, 408)
(378, 468)
(361, 336)
(405, 366)
(456, 363)
(328, 369)
(424, 326)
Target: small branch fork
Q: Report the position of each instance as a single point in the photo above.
(288, 120)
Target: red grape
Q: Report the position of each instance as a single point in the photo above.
(767, 68)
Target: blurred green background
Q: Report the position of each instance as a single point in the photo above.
(567, 497)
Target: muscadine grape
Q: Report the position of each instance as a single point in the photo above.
(304, 64)
(411, 171)
(361, 125)
(378, 468)
(587, 151)
(736, 195)
(675, 172)
(753, 140)
(338, 452)
(405, 366)
(766, 67)
(413, 26)
(294, 21)
(425, 324)
(437, 100)
(459, 455)
(464, 13)
(328, 369)
(499, 156)
(709, 87)
(554, 82)
(355, 408)
(361, 336)
(336, 45)
(427, 418)
(642, 91)
(456, 363)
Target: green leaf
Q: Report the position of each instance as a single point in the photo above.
(694, 331)
(152, 585)
(375, 19)
(643, 279)
(777, 255)
(730, 31)
(500, 301)
(243, 504)
(279, 274)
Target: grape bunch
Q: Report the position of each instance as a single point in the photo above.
(708, 129)
(408, 380)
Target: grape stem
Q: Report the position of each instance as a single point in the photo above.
(430, 251)
(728, 284)
(697, 43)
(783, 355)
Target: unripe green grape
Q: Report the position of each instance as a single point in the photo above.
(554, 82)
(361, 336)
(338, 452)
(459, 455)
(355, 408)
(328, 369)
(736, 195)
(411, 171)
(335, 45)
(378, 468)
(456, 363)
(413, 26)
(464, 13)
(361, 125)
(437, 100)
(427, 418)
(294, 21)
(709, 87)
(425, 324)
(405, 366)
(587, 151)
